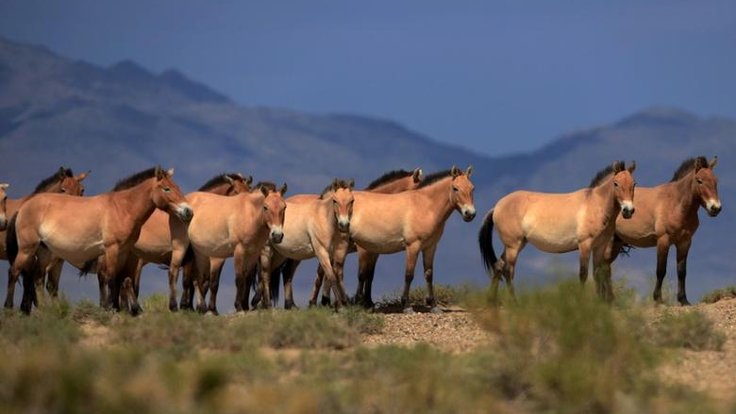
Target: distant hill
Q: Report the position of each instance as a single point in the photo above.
(123, 118)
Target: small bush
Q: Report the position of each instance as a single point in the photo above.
(87, 311)
(689, 329)
(444, 295)
(719, 294)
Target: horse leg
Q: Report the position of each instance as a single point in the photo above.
(428, 262)
(288, 274)
(128, 285)
(54, 275)
(264, 290)
(136, 272)
(682, 250)
(498, 273)
(339, 253)
(663, 248)
(113, 261)
(187, 286)
(332, 283)
(366, 267)
(241, 289)
(602, 272)
(177, 255)
(202, 264)
(584, 250)
(412, 252)
(22, 262)
(511, 256)
(215, 270)
(317, 286)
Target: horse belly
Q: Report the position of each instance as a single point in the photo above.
(385, 246)
(295, 249)
(78, 254)
(554, 240)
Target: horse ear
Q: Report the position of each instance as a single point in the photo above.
(417, 175)
(469, 171)
(83, 175)
(229, 179)
(454, 171)
(249, 180)
(170, 172)
(631, 167)
(617, 166)
(713, 162)
(157, 172)
(264, 190)
(4, 186)
(61, 172)
(283, 189)
(351, 183)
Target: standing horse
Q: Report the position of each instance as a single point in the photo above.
(3, 206)
(583, 220)
(163, 237)
(107, 224)
(314, 229)
(63, 181)
(390, 183)
(238, 227)
(667, 215)
(412, 221)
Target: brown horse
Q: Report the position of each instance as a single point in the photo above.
(667, 215)
(583, 220)
(163, 237)
(391, 182)
(313, 229)
(238, 227)
(107, 224)
(412, 221)
(63, 181)
(3, 206)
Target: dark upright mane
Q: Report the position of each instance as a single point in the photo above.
(53, 179)
(271, 187)
(602, 174)
(433, 178)
(219, 180)
(688, 165)
(389, 177)
(336, 184)
(135, 179)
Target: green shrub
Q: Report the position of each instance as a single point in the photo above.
(719, 294)
(687, 329)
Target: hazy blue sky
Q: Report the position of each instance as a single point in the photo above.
(494, 76)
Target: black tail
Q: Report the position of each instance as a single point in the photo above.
(188, 257)
(485, 242)
(275, 282)
(11, 241)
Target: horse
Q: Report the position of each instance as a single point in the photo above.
(107, 224)
(583, 220)
(237, 226)
(314, 229)
(3, 206)
(668, 215)
(388, 183)
(163, 237)
(62, 181)
(412, 221)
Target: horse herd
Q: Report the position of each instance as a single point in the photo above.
(145, 218)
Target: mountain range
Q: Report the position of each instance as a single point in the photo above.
(120, 119)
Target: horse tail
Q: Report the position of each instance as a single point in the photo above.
(188, 257)
(485, 242)
(11, 240)
(275, 282)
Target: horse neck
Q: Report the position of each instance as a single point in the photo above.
(393, 187)
(326, 211)
(606, 193)
(222, 189)
(138, 202)
(256, 200)
(437, 197)
(686, 198)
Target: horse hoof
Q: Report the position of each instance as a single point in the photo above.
(409, 311)
(685, 303)
(136, 310)
(173, 307)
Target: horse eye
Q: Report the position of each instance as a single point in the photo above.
(700, 181)
(615, 184)
(265, 208)
(454, 188)
(166, 189)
